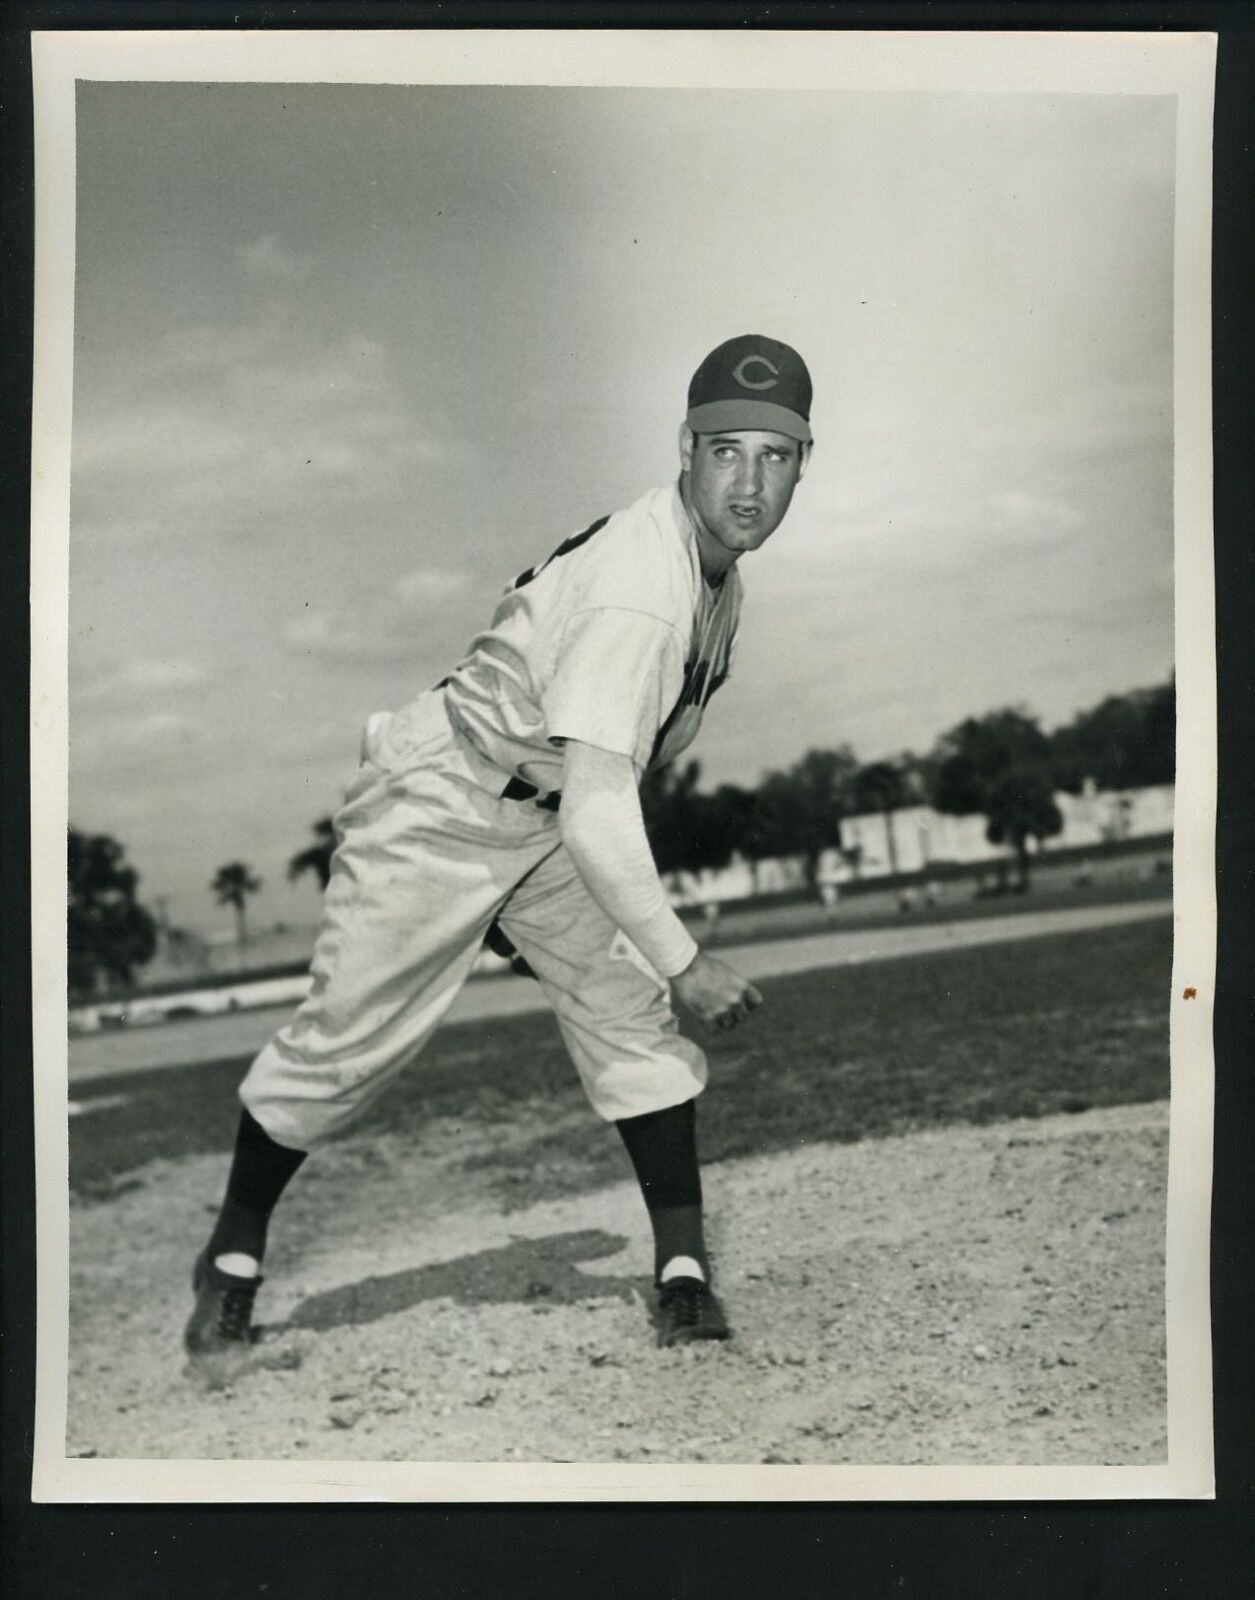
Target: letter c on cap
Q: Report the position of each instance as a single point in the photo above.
(738, 372)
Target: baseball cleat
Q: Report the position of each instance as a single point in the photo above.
(689, 1310)
(221, 1319)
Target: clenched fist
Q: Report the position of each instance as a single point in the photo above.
(714, 993)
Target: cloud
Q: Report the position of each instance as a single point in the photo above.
(128, 744)
(927, 530)
(266, 258)
(248, 429)
(346, 635)
(141, 675)
(427, 585)
(1101, 419)
(385, 622)
(1016, 509)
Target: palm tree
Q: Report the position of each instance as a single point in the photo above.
(233, 884)
(316, 858)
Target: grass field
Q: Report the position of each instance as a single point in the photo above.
(1120, 882)
(1057, 1024)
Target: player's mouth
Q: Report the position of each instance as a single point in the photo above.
(746, 514)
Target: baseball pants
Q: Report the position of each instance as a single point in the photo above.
(429, 853)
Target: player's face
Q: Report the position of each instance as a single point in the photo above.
(738, 487)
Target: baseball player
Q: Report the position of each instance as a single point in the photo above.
(506, 798)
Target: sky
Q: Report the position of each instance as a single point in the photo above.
(349, 357)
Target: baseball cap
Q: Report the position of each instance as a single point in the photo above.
(751, 382)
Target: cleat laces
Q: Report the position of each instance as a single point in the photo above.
(235, 1311)
(684, 1300)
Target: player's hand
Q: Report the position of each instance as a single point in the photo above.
(714, 993)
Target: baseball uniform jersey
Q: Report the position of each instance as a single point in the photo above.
(616, 640)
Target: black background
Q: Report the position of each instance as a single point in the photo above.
(1081, 1551)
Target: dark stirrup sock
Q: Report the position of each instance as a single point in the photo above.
(260, 1171)
(663, 1149)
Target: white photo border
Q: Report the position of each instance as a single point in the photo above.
(1181, 65)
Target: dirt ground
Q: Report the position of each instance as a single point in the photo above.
(957, 1295)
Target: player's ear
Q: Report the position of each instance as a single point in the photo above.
(804, 459)
(687, 442)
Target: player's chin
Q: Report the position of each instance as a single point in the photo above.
(746, 533)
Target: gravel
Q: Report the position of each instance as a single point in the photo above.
(959, 1295)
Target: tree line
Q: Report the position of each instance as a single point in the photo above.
(1002, 766)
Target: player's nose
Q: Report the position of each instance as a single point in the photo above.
(749, 480)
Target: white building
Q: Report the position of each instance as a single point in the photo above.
(926, 838)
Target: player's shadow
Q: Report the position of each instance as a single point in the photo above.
(530, 1271)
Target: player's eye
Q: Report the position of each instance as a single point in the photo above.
(724, 452)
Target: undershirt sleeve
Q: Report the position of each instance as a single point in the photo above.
(604, 833)
(618, 675)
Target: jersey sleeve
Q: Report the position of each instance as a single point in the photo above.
(618, 674)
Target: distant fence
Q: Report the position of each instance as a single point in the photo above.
(691, 896)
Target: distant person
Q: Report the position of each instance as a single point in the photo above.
(507, 796)
(932, 894)
(828, 887)
(908, 900)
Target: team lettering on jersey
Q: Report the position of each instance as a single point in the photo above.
(700, 682)
(564, 549)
